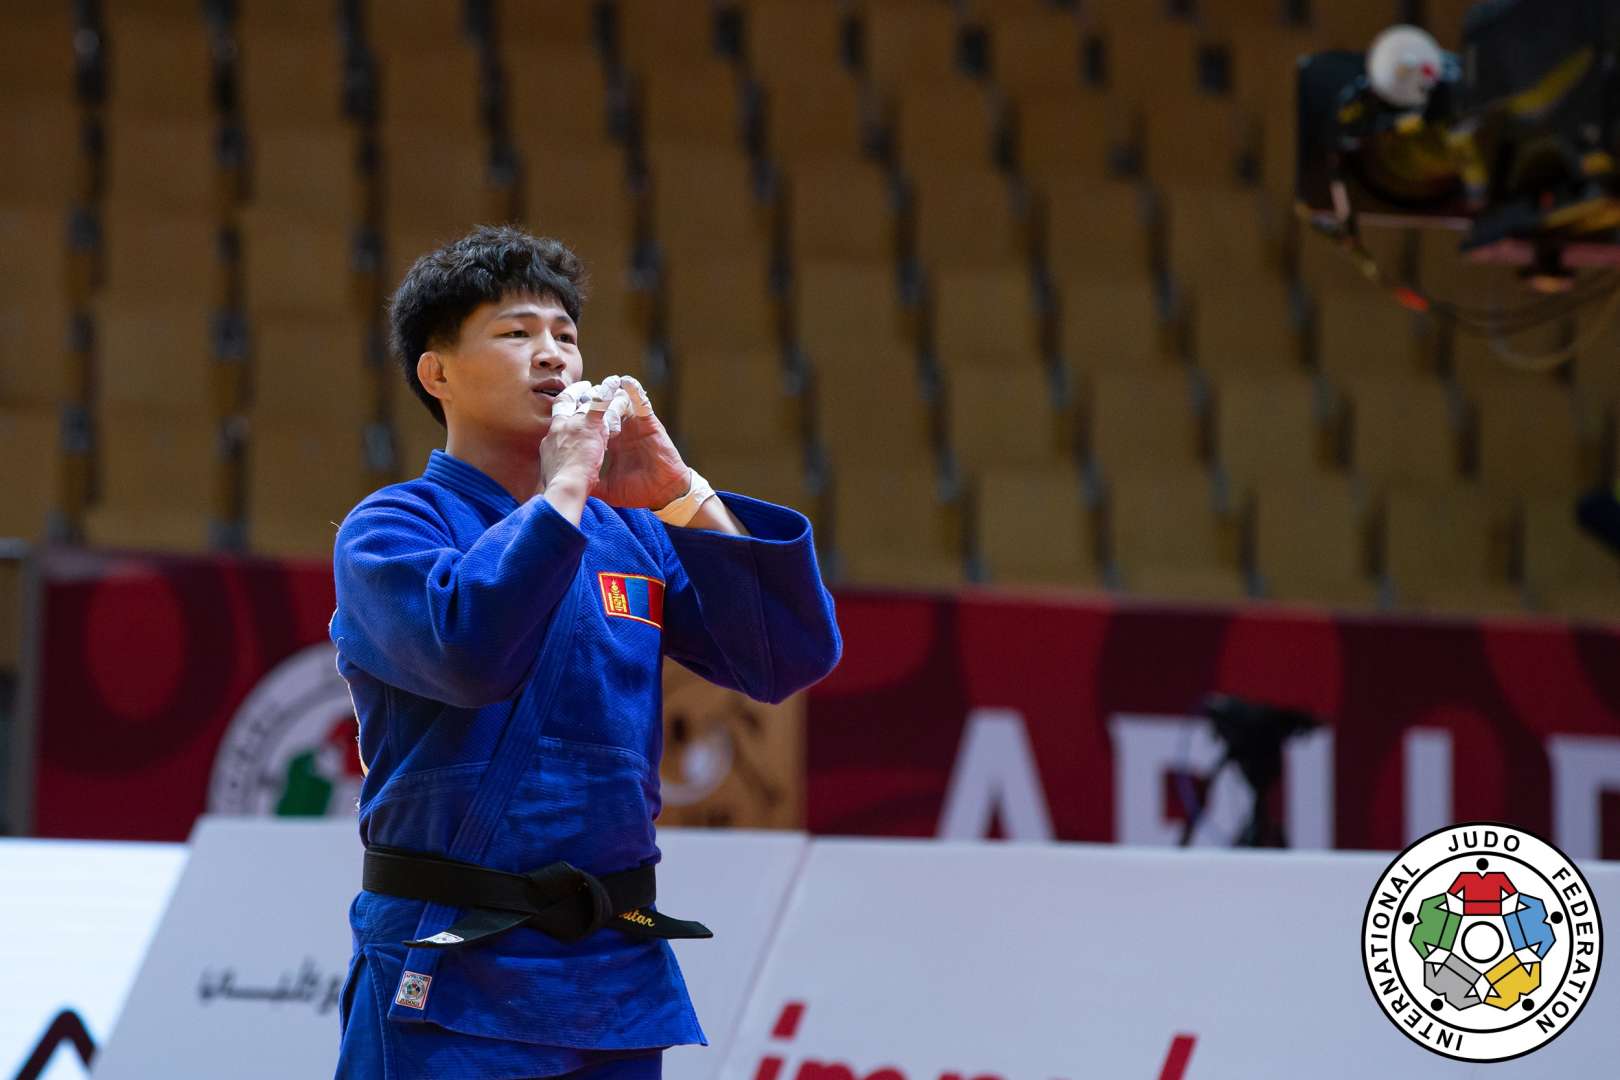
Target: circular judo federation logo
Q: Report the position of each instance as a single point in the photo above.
(1481, 942)
(290, 749)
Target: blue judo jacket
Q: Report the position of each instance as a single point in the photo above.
(506, 671)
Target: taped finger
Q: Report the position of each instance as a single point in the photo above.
(575, 398)
(616, 410)
(640, 404)
(602, 393)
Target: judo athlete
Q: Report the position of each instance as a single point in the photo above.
(501, 621)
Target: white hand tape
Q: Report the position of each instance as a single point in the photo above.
(640, 404)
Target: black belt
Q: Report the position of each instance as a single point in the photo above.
(562, 901)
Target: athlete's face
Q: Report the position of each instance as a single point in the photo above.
(504, 371)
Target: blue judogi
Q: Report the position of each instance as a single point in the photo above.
(506, 670)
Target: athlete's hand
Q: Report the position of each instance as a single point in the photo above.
(583, 419)
(641, 467)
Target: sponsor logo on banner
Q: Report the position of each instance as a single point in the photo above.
(306, 986)
(783, 1065)
(1482, 942)
(290, 750)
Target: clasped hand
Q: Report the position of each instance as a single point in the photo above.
(607, 438)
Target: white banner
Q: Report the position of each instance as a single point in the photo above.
(900, 961)
(243, 976)
(75, 919)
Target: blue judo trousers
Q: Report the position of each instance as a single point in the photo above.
(506, 671)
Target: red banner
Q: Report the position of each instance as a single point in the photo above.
(173, 685)
(145, 661)
(1512, 720)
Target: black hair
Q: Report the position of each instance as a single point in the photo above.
(444, 286)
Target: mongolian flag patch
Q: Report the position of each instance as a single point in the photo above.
(633, 596)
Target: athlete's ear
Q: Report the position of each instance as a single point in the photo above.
(430, 372)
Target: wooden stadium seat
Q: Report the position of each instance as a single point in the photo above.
(44, 132)
(1136, 420)
(907, 42)
(37, 365)
(1246, 328)
(703, 203)
(1221, 236)
(1096, 230)
(1528, 443)
(834, 299)
(33, 254)
(1268, 429)
(1199, 141)
(985, 313)
(1069, 136)
(413, 25)
(1353, 26)
(695, 105)
(164, 165)
(1264, 72)
(779, 479)
(870, 412)
(1004, 414)
(155, 354)
(30, 442)
(450, 198)
(1110, 324)
(1596, 370)
(292, 352)
(1323, 267)
(1367, 333)
(1522, 359)
(565, 25)
(711, 387)
(158, 64)
(1446, 273)
(949, 124)
(162, 480)
(656, 33)
(39, 59)
(416, 433)
(1148, 60)
(1568, 571)
(891, 528)
(302, 480)
(1033, 529)
(788, 41)
(290, 79)
(1165, 535)
(1035, 55)
(968, 218)
(310, 172)
(1402, 432)
(565, 98)
(1264, 52)
(720, 304)
(158, 257)
(841, 209)
(1192, 585)
(305, 18)
(1310, 542)
(582, 192)
(290, 265)
(815, 120)
(1443, 551)
(429, 88)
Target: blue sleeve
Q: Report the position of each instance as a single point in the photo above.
(458, 627)
(750, 612)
